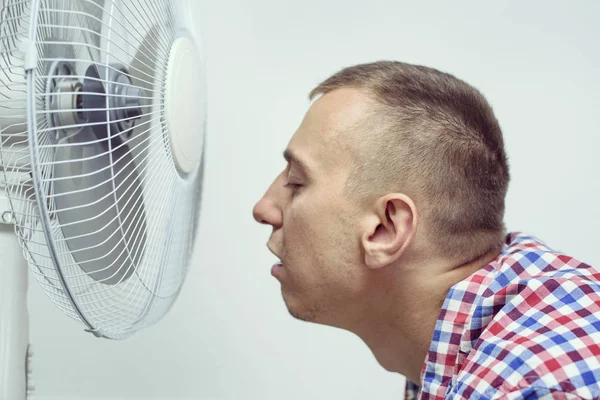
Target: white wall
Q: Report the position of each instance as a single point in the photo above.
(229, 336)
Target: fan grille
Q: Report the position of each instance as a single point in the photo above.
(106, 221)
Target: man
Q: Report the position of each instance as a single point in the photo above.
(388, 221)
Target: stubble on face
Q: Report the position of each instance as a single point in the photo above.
(319, 236)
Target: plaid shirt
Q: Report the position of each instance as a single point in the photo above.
(526, 326)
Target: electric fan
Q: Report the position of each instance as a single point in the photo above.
(102, 128)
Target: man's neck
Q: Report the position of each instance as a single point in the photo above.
(399, 324)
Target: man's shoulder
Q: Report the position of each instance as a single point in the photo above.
(545, 335)
(531, 326)
(531, 284)
(526, 265)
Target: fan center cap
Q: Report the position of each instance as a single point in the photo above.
(184, 104)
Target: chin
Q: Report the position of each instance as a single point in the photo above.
(298, 310)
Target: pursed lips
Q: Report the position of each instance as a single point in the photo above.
(277, 266)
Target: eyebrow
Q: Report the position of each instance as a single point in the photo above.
(292, 158)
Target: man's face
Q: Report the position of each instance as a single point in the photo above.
(315, 230)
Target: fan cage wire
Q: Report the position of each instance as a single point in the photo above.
(68, 286)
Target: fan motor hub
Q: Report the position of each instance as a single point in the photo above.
(184, 105)
(64, 98)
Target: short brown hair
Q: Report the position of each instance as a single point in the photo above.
(436, 139)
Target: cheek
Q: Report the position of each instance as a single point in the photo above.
(305, 232)
(309, 216)
(319, 233)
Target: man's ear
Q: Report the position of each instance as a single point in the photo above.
(390, 230)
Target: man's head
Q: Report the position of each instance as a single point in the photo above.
(393, 167)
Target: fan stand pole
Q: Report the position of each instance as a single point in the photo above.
(14, 318)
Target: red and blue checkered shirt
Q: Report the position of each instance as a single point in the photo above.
(526, 326)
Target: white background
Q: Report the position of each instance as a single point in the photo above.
(229, 336)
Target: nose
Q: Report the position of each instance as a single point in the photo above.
(268, 209)
(266, 212)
